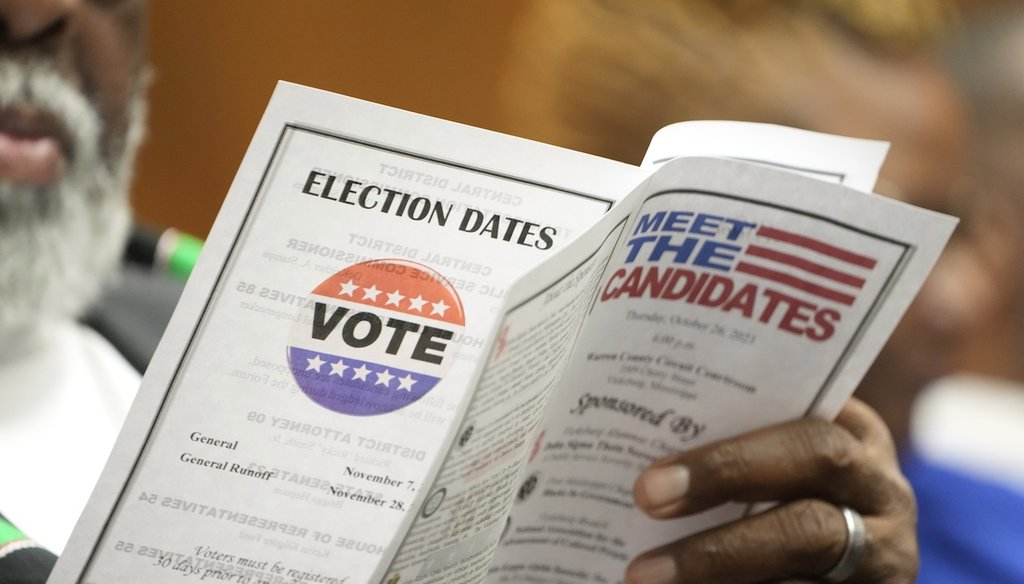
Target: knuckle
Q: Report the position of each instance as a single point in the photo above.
(715, 553)
(892, 554)
(835, 453)
(813, 531)
(727, 462)
(903, 495)
(889, 494)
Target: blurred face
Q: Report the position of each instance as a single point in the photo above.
(926, 168)
(70, 111)
(947, 311)
(602, 80)
(992, 232)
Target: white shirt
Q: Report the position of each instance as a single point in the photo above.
(64, 392)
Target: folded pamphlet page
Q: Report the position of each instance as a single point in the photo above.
(736, 297)
(415, 351)
(852, 162)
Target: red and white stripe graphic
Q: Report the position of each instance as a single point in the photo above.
(807, 264)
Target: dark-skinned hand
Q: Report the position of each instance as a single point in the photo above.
(809, 467)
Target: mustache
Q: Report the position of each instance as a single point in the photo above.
(36, 98)
(61, 243)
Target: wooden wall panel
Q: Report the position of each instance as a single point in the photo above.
(217, 61)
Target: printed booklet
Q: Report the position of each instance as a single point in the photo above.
(416, 351)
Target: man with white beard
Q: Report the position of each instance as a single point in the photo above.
(71, 81)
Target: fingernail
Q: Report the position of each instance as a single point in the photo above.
(665, 484)
(653, 570)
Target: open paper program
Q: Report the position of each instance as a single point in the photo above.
(416, 351)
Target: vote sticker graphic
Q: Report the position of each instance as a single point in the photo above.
(376, 337)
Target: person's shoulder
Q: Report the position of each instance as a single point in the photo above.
(969, 529)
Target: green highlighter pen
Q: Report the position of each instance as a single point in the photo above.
(176, 253)
(169, 251)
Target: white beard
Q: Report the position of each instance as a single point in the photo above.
(60, 244)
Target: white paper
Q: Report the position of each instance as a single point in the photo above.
(225, 466)
(852, 162)
(313, 396)
(723, 349)
(702, 330)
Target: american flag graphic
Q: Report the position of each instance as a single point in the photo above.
(363, 364)
(810, 265)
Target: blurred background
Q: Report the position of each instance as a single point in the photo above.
(216, 65)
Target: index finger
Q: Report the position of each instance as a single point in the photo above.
(808, 458)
